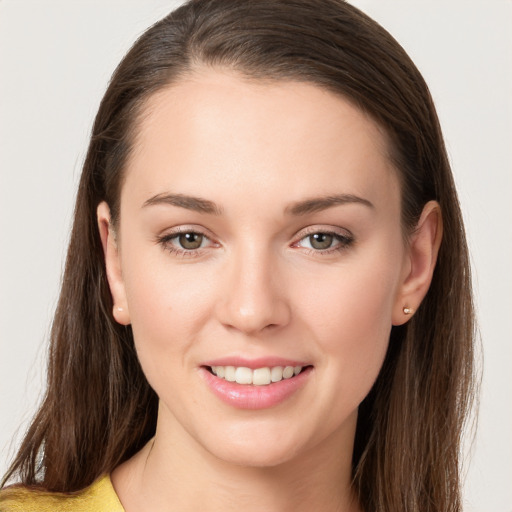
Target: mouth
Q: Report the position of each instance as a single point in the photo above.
(258, 383)
(263, 376)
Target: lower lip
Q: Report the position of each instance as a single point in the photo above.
(245, 396)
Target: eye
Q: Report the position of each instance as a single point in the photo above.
(324, 241)
(190, 240)
(321, 240)
(185, 242)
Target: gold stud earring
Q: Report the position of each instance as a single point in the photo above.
(407, 311)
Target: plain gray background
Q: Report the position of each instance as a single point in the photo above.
(55, 60)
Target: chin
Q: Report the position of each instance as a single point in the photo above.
(251, 457)
(255, 447)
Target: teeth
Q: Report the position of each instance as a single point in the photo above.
(243, 375)
(287, 372)
(276, 374)
(261, 376)
(257, 377)
(229, 373)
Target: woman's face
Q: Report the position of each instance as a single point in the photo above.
(259, 228)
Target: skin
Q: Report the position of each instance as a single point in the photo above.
(257, 287)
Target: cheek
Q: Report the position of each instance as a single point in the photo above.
(168, 306)
(353, 298)
(351, 318)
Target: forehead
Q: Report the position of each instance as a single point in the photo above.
(215, 132)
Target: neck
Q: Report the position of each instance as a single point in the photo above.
(174, 473)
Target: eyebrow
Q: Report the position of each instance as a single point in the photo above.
(299, 208)
(183, 201)
(317, 204)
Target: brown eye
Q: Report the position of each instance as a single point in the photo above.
(321, 240)
(190, 241)
(325, 242)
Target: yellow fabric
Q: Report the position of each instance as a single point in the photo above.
(99, 497)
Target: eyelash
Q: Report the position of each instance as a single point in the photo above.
(344, 242)
(166, 242)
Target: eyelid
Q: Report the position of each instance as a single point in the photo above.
(344, 237)
(332, 230)
(186, 228)
(164, 239)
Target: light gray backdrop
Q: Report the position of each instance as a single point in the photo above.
(55, 60)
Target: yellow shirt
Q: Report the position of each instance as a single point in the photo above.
(99, 497)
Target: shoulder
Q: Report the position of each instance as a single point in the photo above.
(99, 497)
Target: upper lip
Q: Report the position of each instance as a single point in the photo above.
(260, 362)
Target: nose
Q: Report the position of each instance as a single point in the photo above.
(253, 293)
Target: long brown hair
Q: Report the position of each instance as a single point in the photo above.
(99, 409)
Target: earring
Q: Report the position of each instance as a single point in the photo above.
(407, 311)
(118, 308)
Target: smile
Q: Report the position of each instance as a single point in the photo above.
(259, 387)
(258, 376)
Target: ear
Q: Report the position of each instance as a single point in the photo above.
(419, 264)
(113, 265)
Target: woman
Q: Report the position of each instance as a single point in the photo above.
(267, 299)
